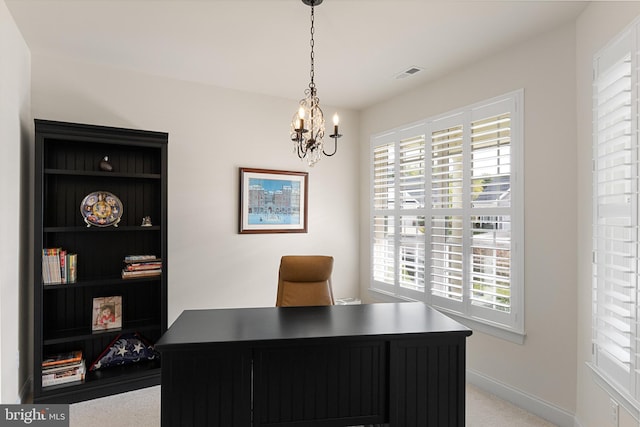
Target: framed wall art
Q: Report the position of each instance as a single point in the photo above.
(273, 201)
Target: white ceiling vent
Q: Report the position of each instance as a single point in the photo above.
(408, 72)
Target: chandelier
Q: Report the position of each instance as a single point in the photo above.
(307, 125)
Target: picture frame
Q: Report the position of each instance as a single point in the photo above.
(273, 201)
(106, 314)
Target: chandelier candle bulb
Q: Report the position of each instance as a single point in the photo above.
(301, 118)
(336, 121)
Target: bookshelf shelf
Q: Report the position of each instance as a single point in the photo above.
(116, 280)
(85, 229)
(67, 169)
(106, 175)
(84, 334)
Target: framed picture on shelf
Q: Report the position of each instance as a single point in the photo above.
(107, 313)
(273, 201)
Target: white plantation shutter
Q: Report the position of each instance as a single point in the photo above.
(447, 257)
(491, 210)
(411, 255)
(446, 167)
(412, 167)
(383, 177)
(383, 233)
(491, 263)
(383, 249)
(411, 164)
(491, 161)
(447, 203)
(447, 138)
(398, 229)
(615, 215)
(471, 240)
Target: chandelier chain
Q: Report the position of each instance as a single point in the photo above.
(312, 73)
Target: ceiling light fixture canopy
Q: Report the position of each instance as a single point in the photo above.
(307, 125)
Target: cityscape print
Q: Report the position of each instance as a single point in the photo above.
(273, 201)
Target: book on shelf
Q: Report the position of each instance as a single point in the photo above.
(58, 266)
(140, 273)
(73, 268)
(62, 368)
(137, 266)
(62, 359)
(139, 258)
(64, 374)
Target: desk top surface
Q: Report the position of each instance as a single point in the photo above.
(234, 325)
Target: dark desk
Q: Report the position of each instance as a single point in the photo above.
(402, 364)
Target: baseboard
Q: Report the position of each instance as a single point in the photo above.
(528, 402)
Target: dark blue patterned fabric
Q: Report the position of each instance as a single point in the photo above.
(124, 349)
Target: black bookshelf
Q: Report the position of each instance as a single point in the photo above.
(67, 158)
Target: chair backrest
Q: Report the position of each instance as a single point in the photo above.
(305, 280)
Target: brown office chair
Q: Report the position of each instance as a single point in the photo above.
(305, 280)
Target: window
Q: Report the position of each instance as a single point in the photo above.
(446, 212)
(616, 352)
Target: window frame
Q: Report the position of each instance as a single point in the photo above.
(509, 327)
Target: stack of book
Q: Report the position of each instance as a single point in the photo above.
(63, 368)
(58, 266)
(136, 266)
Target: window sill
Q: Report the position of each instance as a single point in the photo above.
(474, 324)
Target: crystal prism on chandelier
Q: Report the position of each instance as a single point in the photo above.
(307, 125)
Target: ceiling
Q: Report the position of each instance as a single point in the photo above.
(262, 46)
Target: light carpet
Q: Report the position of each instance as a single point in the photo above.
(141, 408)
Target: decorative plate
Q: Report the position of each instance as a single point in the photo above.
(101, 209)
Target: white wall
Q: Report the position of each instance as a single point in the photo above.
(14, 212)
(213, 132)
(598, 24)
(540, 373)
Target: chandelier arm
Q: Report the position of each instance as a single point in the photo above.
(335, 147)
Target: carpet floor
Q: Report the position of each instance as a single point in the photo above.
(141, 408)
